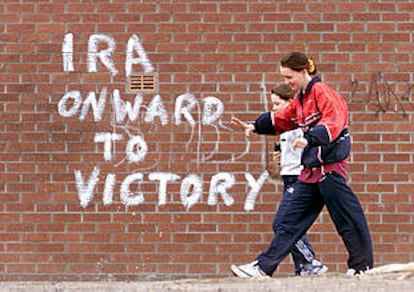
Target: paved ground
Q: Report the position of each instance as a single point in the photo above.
(396, 282)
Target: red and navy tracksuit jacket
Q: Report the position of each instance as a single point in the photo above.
(322, 114)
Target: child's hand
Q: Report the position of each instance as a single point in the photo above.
(276, 157)
(248, 128)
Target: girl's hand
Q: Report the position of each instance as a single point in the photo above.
(248, 128)
(300, 143)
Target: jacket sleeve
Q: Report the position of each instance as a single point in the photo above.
(271, 123)
(334, 116)
(263, 124)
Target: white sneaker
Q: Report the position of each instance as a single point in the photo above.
(248, 271)
(314, 268)
(352, 272)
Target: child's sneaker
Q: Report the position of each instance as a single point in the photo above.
(248, 271)
(313, 268)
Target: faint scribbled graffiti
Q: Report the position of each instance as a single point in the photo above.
(388, 96)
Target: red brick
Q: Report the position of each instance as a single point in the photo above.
(203, 7)
(19, 8)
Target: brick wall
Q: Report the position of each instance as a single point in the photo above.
(98, 182)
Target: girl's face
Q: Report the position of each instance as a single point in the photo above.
(296, 80)
(278, 103)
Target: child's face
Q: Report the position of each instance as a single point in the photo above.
(278, 103)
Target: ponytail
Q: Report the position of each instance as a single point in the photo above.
(312, 67)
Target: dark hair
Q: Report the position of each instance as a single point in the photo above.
(283, 91)
(298, 61)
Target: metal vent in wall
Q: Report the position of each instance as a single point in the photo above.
(143, 82)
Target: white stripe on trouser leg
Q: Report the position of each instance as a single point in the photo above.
(304, 250)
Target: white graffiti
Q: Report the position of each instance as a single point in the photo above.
(219, 185)
(180, 110)
(129, 197)
(134, 45)
(122, 108)
(138, 143)
(156, 109)
(105, 56)
(67, 53)
(75, 101)
(164, 178)
(107, 193)
(72, 104)
(125, 124)
(191, 189)
(85, 190)
(107, 139)
(255, 185)
(96, 41)
(188, 197)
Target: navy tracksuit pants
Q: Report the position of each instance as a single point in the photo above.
(303, 207)
(302, 251)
